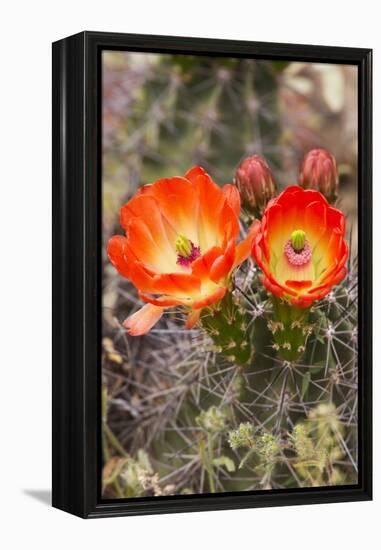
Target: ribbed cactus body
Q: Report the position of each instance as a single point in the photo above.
(290, 327)
(227, 324)
(197, 108)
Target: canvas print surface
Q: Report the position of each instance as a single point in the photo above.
(229, 271)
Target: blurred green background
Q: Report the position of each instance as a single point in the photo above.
(164, 113)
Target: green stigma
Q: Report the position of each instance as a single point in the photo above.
(183, 246)
(298, 240)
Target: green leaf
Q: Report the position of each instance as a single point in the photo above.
(225, 461)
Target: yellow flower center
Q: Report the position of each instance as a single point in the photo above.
(187, 251)
(297, 249)
(183, 245)
(298, 240)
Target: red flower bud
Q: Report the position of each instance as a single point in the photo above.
(255, 183)
(318, 171)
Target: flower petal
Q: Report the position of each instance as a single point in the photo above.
(211, 228)
(145, 248)
(177, 284)
(116, 251)
(233, 198)
(178, 202)
(201, 267)
(163, 301)
(224, 263)
(141, 277)
(194, 172)
(192, 319)
(243, 249)
(208, 300)
(143, 320)
(228, 225)
(273, 288)
(298, 285)
(147, 208)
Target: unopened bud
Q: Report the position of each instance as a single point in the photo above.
(255, 183)
(319, 171)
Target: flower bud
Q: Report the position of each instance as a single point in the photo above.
(318, 171)
(255, 183)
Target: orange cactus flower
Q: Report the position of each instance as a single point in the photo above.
(300, 246)
(180, 246)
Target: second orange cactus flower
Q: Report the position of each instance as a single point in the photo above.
(300, 246)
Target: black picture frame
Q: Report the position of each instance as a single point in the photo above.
(77, 273)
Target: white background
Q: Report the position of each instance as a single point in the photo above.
(27, 29)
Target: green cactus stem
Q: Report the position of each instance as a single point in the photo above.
(227, 324)
(290, 328)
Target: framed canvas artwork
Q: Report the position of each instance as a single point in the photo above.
(211, 274)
